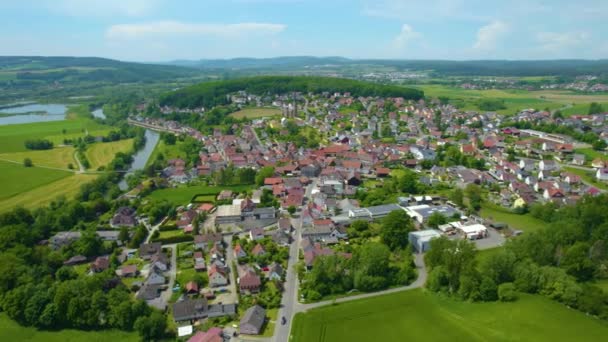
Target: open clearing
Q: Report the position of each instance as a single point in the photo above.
(58, 157)
(252, 113)
(101, 154)
(526, 222)
(168, 151)
(421, 316)
(11, 331)
(42, 194)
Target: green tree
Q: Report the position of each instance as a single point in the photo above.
(599, 145)
(457, 196)
(436, 219)
(123, 235)
(265, 172)
(151, 328)
(473, 193)
(27, 162)
(372, 267)
(395, 228)
(291, 209)
(595, 108)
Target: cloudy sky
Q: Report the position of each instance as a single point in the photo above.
(161, 30)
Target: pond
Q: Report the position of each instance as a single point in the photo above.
(141, 157)
(34, 112)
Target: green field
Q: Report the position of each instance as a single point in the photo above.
(526, 222)
(13, 137)
(421, 316)
(58, 157)
(253, 113)
(11, 331)
(183, 194)
(516, 99)
(168, 151)
(16, 179)
(40, 194)
(101, 154)
(590, 154)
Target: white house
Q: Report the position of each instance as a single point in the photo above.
(602, 174)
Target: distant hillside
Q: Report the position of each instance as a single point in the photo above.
(214, 93)
(82, 69)
(441, 67)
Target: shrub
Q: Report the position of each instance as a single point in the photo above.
(506, 292)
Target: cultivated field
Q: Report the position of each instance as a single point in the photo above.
(516, 99)
(421, 316)
(252, 113)
(11, 331)
(16, 179)
(13, 137)
(101, 154)
(42, 194)
(58, 157)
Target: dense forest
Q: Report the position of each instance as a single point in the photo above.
(211, 94)
(562, 262)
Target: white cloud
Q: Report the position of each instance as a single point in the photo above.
(556, 42)
(99, 8)
(166, 28)
(488, 36)
(406, 35)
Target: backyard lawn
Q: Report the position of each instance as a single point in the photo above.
(422, 316)
(101, 154)
(526, 222)
(11, 331)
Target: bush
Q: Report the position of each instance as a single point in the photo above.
(27, 162)
(506, 292)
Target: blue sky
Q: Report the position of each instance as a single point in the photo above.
(161, 30)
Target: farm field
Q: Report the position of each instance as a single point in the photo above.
(42, 194)
(253, 113)
(183, 194)
(11, 331)
(421, 316)
(15, 179)
(526, 222)
(101, 154)
(58, 157)
(13, 137)
(516, 99)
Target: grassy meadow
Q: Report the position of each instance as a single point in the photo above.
(58, 157)
(183, 194)
(526, 222)
(11, 331)
(418, 315)
(256, 112)
(168, 151)
(101, 154)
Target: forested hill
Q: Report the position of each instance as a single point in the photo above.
(214, 93)
(27, 69)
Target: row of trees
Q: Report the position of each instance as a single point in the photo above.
(38, 144)
(211, 94)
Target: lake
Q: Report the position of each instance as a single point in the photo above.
(141, 157)
(34, 112)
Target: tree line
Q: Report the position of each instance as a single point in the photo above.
(211, 94)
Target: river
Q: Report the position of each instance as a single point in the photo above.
(34, 112)
(141, 157)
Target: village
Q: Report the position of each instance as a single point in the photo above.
(233, 262)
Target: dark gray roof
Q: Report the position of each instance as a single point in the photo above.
(254, 316)
(190, 309)
(385, 209)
